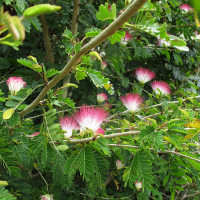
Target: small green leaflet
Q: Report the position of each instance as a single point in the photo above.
(106, 12)
(117, 37)
(31, 64)
(92, 32)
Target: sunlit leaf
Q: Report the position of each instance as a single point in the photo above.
(8, 113)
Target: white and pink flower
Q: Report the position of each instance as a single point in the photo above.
(90, 117)
(161, 87)
(99, 131)
(132, 102)
(144, 75)
(68, 124)
(15, 84)
(138, 185)
(46, 197)
(101, 97)
(119, 164)
(186, 8)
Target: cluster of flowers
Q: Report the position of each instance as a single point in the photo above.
(133, 101)
(91, 117)
(87, 117)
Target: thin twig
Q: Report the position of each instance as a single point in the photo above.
(191, 195)
(42, 178)
(153, 106)
(166, 151)
(114, 135)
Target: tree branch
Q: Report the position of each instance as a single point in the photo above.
(47, 43)
(105, 136)
(112, 28)
(166, 151)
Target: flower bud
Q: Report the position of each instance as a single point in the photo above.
(46, 197)
(119, 164)
(138, 185)
(101, 97)
(15, 84)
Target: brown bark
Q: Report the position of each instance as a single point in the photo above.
(74, 29)
(47, 43)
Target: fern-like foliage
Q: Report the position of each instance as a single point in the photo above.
(49, 127)
(91, 165)
(5, 195)
(140, 170)
(150, 137)
(7, 159)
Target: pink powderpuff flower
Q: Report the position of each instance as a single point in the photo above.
(90, 117)
(144, 75)
(132, 102)
(33, 135)
(138, 185)
(127, 37)
(68, 124)
(99, 131)
(46, 197)
(119, 164)
(101, 97)
(161, 87)
(186, 8)
(15, 84)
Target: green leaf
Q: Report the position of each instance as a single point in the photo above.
(101, 146)
(21, 4)
(41, 9)
(106, 12)
(80, 73)
(31, 64)
(5, 195)
(11, 103)
(92, 32)
(167, 9)
(62, 147)
(117, 36)
(100, 81)
(166, 179)
(86, 162)
(71, 166)
(69, 102)
(3, 183)
(51, 72)
(8, 113)
(178, 42)
(141, 170)
(150, 137)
